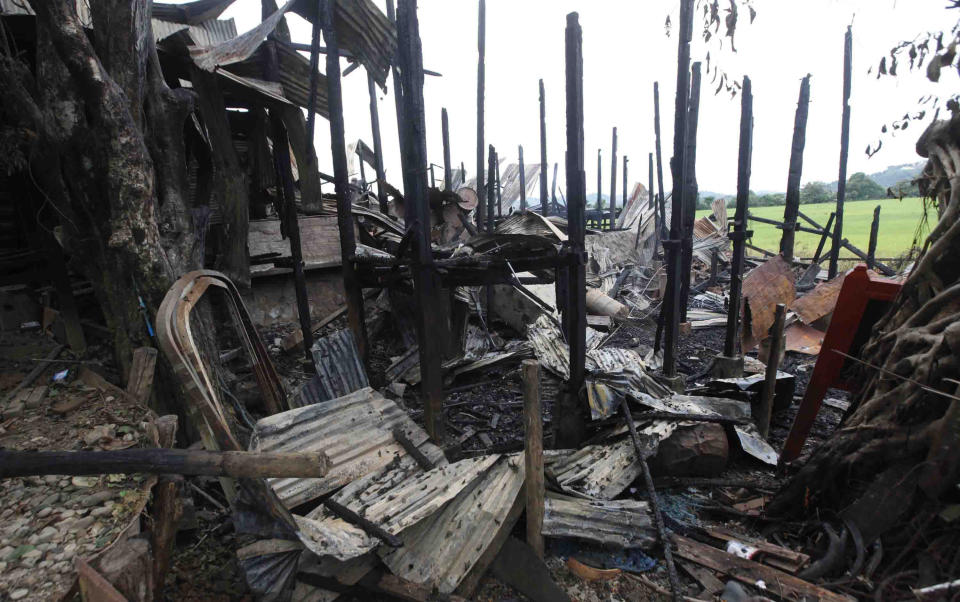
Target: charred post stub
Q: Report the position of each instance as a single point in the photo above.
(844, 151)
(792, 204)
(613, 180)
(730, 364)
(690, 189)
(533, 456)
(341, 176)
(872, 246)
(544, 200)
(570, 427)
(773, 364)
(669, 309)
(414, 161)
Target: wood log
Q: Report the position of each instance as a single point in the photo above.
(164, 461)
(533, 432)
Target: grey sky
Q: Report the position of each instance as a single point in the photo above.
(625, 51)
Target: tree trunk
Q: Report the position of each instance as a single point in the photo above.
(894, 420)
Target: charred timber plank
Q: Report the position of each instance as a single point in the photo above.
(523, 180)
(414, 163)
(378, 144)
(872, 247)
(613, 180)
(773, 364)
(844, 151)
(34, 373)
(165, 461)
(779, 583)
(823, 238)
(570, 426)
(662, 224)
(348, 244)
(533, 454)
(792, 203)
(599, 190)
(447, 170)
(739, 234)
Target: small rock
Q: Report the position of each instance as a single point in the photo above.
(14, 409)
(81, 523)
(84, 481)
(95, 499)
(50, 500)
(100, 511)
(45, 512)
(5, 551)
(69, 512)
(18, 594)
(46, 535)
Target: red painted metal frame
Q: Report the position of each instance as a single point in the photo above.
(859, 288)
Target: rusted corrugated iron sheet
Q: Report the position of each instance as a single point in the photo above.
(394, 499)
(239, 48)
(207, 33)
(601, 471)
(803, 339)
(267, 92)
(616, 523)
(819, 302)
(442, 550)
(530, 223)
(356, 432)
(337, 361)
(636, 208)
(763, 288)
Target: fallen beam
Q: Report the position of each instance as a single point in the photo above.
(165, 461)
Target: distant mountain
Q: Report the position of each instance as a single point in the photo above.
(897, 173)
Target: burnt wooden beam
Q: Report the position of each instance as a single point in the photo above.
(281, 161)
(765, 409)
(544, 201)
(690, 190)
(523, 179)
(872, 246)
(613, 179)
(600, 188)
(662, 224)
(496, 160)
(884, 269)
(569, 424)
(844, 151)
(165, 461)
(338, 148)
(783, 226)
(823, 238)
(377, 145)
(447, 170)
(417, 218)
(623, 196)
(792, 204)
(669, 309)
(533, 454)
(481, 41)
(397, 82)
(739, 234)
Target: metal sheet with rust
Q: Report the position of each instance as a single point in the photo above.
(819, 302)
(764, 287)
(803, 339)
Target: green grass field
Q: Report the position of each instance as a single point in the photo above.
(898, 226)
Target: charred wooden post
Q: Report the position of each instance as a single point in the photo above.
(544, 205)
(433, 177)
(651, 198)
(481, 41)
(844, 150)
(414, 159)
(241, 464)
(533, 456)
(662, 224)
(662, 533)
(714, 267)
(570, 427)
(397, 83)
(553, 191)
(671, 317)
(496, 161)
(872, 247)
(492, 187)
(599, 190)
(823, 238)
(377, 145)
(523, 180)
(613, 180)
(792, 204)
(623, 195)
(845, 244)
(363, 172)
(739, 234)
(773, 364)
(690, 190)
(341, 175)
(281, 161)
(447, 173)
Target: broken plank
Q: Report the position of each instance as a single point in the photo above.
(295, 338)
(35, 373)
(705, 577)
(142, 370)
(779, 583)
(784, 558)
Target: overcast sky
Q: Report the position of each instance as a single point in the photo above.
(625, 50)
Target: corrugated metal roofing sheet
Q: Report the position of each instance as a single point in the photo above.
(337, 361)
(356, 432)
(616, 523)
(442, 550)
